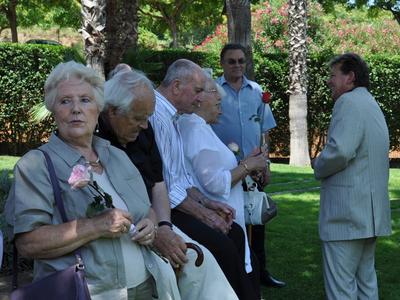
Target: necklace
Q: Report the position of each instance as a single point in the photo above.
(95, 163)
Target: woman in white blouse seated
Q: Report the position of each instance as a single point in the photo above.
(211, 163)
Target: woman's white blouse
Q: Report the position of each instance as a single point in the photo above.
(210, 162)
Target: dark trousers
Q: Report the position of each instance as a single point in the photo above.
(228, 250)
(257, 233)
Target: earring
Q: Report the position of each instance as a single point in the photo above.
(96, 129)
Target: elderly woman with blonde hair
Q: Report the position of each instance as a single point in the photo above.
(118, 264)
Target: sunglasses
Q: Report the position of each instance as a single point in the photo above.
(240, 61)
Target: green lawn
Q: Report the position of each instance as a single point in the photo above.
(7, 162)
(293, 245)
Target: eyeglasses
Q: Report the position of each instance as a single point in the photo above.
(240, 61)
(211, 91)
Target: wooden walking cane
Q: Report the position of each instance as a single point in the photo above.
(198, 262)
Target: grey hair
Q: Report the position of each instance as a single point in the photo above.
(212, 85)
(181, 69)
(119, 68)
(69, 70)
(121, 90)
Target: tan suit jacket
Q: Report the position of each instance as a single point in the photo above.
(354, 170)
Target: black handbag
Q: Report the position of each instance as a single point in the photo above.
(68, 284)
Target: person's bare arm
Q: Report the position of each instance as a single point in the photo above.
(167, 242)
(215, 214)
(250, 164)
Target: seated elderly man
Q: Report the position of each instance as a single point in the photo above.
(205, 220)
(129, 101)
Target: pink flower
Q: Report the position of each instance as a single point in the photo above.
(279, 43)
(80, 177)
(274, 21)
(266, 97)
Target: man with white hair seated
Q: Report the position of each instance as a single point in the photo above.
(129, 101)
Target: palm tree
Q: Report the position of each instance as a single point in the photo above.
(93, 32)
(109, 29)
(239, 29)
(121, 30)
(299, 154)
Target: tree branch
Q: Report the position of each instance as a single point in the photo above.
(150, 14)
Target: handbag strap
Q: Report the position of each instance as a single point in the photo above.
(58, 199)
(56, 186)
(60, 205)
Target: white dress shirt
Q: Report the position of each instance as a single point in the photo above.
(210, 162)
(169, 144)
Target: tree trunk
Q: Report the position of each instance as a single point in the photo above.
(93, 28)
(12, 19)
(239, 29)
(174, 32)
(121, 30)
(299, 154)
(396, 15)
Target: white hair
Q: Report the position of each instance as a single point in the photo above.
(66, 71)
(122, 88)
(212, 85)
(119, 68)
(182, 69)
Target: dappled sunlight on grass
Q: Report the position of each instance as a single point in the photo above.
(7, 162)
(294, 247)
(390, 243)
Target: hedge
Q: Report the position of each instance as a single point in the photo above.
(23, 71)
(24, 68)
(271, 71)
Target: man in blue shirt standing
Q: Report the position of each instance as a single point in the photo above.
(245, 120)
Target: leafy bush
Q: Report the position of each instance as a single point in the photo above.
(155, 63)
(346, 31)
(272, 74)
(351, 31)
(271, 70)
(23, 71)
(23, 264)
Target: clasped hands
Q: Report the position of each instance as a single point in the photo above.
(115, 222)
(220, 215)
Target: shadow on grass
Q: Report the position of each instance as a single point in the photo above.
(294, 250)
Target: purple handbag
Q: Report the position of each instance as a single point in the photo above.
(68, 284)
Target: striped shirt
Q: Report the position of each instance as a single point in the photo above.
(170, 146)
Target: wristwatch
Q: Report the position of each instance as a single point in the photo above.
(165, 223)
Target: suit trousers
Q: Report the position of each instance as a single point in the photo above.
(349, 269)
(228, 250)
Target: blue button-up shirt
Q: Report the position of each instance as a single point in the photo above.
(242, 111)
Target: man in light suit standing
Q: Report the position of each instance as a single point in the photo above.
(354, 169)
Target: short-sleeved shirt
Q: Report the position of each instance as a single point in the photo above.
(31, 204)
(143, 152)
(241, 112)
